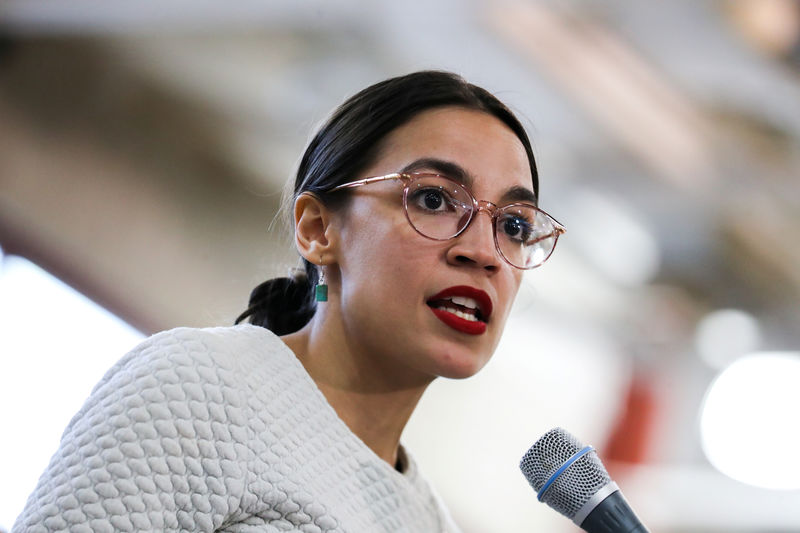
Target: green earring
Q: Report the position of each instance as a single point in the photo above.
(321, 290)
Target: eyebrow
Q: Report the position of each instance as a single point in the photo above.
(440, 166)
(458, 173)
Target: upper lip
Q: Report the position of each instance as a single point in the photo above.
(483, 299)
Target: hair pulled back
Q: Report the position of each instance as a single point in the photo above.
(343, 147)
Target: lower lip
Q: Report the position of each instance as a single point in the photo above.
(459, 324)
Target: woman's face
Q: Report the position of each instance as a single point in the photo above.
(397, 289)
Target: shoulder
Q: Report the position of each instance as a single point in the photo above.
(220, 355)
(176, 370)
(197, 345)
(216, 339)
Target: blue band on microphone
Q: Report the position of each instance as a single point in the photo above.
(560, 471)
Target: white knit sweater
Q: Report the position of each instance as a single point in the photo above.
(220, 429)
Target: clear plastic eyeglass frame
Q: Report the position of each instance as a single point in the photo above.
(477, 206)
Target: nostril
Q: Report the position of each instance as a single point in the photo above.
(464, 260)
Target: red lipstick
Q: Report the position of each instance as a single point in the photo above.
(442, 300)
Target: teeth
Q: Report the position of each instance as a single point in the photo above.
(461, 314)
(466, 302)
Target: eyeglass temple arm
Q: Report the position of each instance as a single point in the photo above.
(557, 233)
(365, 181)
(560, 228)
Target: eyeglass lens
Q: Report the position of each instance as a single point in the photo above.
(440, 208)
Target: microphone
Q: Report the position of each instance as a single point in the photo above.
(570, 478)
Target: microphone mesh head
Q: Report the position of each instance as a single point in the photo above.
(576, 485)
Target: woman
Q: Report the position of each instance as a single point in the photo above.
(295, 425)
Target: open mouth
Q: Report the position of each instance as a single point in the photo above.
(461, 306)
(465, 309)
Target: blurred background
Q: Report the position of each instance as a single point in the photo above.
(144, 149)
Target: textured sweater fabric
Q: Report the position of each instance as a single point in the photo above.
(220, 429)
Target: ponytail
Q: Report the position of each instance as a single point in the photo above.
(283, 305)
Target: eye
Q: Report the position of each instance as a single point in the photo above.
(517, 228)
(432, 199)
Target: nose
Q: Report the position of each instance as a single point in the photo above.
(476, 246)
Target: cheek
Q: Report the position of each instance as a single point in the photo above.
(388, 278)
(382, 241)
(401, 262)
(509, 291)
(516, 282)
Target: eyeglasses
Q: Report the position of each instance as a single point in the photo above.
(440, 209)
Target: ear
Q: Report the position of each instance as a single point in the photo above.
(313, 231)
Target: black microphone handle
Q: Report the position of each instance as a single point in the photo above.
(613, 515)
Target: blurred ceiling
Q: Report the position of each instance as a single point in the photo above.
(144, 149)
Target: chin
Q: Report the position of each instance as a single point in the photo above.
(461, 366)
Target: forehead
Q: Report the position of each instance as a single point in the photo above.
(489, 153)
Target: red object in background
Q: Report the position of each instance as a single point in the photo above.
(630, 439)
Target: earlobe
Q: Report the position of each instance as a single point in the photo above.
(312, 227)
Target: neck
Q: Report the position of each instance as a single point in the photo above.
(378, 419)
(373, 399)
